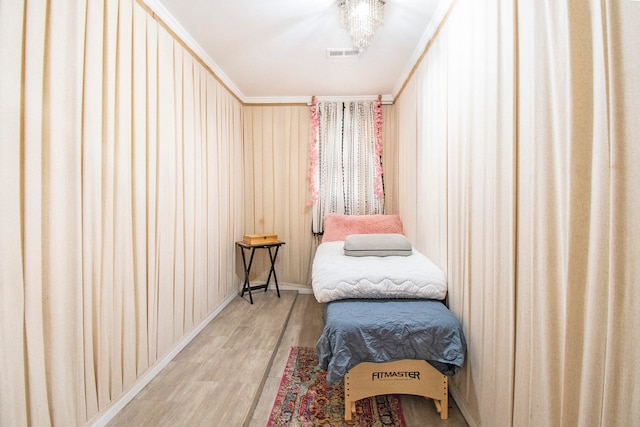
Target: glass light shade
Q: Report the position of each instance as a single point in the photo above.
(361, 18)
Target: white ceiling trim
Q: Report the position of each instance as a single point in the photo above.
(175, 26)
(427, 36)
(277, 100)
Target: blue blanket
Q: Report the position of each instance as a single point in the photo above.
(358, 331)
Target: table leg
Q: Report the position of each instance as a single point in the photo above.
(273, 257)
(247, 285)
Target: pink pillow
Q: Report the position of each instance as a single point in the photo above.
(338, 227)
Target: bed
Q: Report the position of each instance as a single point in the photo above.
(386, 327)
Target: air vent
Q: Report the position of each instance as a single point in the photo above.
(342, 52)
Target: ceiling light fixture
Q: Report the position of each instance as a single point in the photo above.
(361, 18)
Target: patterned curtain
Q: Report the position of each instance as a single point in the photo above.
(348, 163)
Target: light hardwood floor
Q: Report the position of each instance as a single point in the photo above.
(230, 373)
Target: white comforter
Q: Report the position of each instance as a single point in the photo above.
(337, 276)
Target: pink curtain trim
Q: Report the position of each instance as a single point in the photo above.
(378, 187)
(313, 153)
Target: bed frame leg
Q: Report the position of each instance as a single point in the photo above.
(349, 409)
(442, 406)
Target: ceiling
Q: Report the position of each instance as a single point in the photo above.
(276, 50)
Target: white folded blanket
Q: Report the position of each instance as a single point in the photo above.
(338, 276)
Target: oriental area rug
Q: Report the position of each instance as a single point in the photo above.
(305, 399)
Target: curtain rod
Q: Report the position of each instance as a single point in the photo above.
(350, 99)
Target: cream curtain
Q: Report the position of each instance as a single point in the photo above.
(276, 147)
(527, 110)
(457, 190)
(122, 195)
(390, 158)
(481, 200)
(578, 204)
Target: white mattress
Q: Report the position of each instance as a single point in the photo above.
(337, 276)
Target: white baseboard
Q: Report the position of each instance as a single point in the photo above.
(120, 403)
(300, 288)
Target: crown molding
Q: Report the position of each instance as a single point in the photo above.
(438, 17)
(168, 19)
(255, 100)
